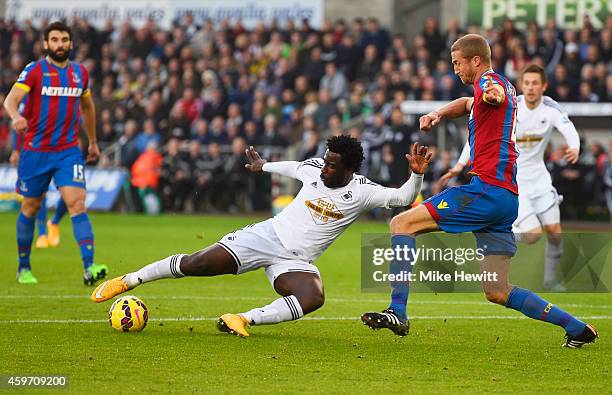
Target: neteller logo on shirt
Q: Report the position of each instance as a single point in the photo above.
(323, 210)
(61, 91)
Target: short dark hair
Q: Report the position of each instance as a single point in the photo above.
(349, 149)
(59, 26)
(534, 68)
(472, 45)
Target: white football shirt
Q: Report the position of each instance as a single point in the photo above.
(533, 131)
(318, 214)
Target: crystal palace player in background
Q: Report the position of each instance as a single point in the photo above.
(58, 94)
(537, 116)
(487, 206)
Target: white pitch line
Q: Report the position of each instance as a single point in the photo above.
(356, 319)
(264, 298)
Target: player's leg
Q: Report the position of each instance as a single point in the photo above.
(526, 227)
(301, 292)
(211, 261)
(301, 288)
(42, 241)
(528, 230)
(69, 177)
(83, 233)
(53, 224)
(33, 178)
(404, 228)
(551, 219)
(500, 291)
(25, 235)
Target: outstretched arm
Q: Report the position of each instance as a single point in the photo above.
(455, 109)
(257, 164)
(400, 197)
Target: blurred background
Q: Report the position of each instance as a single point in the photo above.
(183, 87)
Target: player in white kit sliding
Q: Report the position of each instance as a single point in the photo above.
(539, 202)
(331, 198)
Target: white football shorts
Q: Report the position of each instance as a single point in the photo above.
(536, 211)
(258, 246)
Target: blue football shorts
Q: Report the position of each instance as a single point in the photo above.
(486, 210)
(36, 169)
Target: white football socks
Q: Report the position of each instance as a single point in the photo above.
(169, 267)
(282, 309)
(551, 261)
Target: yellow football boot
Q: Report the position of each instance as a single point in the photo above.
(233, 324)
(54, 234)
(42, 241)
(108, 289)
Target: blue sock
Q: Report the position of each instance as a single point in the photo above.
(535, 307)
(25, 234)
(400, 289)
(60, 211)
(41, 218)
(83, 233)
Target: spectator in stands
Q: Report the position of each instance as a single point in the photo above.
(586, 93)
(376, 36)
(145, 177)
(217, 83)
(314, 69)
(400, 141)
(348, 56)
(517, 61)
(148, 135)
(325, 109)
(237, 178)
(371, 64)
(271, 135)
(127, 142)
(433, 37)
(175, 181)
(334, 81)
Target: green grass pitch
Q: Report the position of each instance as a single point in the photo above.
(458, 343)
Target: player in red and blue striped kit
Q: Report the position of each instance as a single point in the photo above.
(58, 96)
(486, 207)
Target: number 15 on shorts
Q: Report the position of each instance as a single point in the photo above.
(78, 173)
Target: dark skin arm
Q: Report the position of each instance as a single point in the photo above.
(255, 161)
(419, 158)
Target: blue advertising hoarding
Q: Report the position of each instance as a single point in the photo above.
(103, 187)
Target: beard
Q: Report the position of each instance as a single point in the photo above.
(58, 57)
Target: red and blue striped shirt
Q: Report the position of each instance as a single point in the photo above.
(493, 150)
(52, 108)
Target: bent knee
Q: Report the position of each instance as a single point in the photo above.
(311, 302)
(76, 206)
(497, 296)
(30, 207)
(401, 224)
(553, 234)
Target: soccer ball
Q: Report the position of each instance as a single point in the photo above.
(128, 314)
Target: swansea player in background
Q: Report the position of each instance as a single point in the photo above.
(488, 206)
(58, 94)
(286, 246)
(537, 116)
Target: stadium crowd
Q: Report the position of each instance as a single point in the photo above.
(182, 104)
